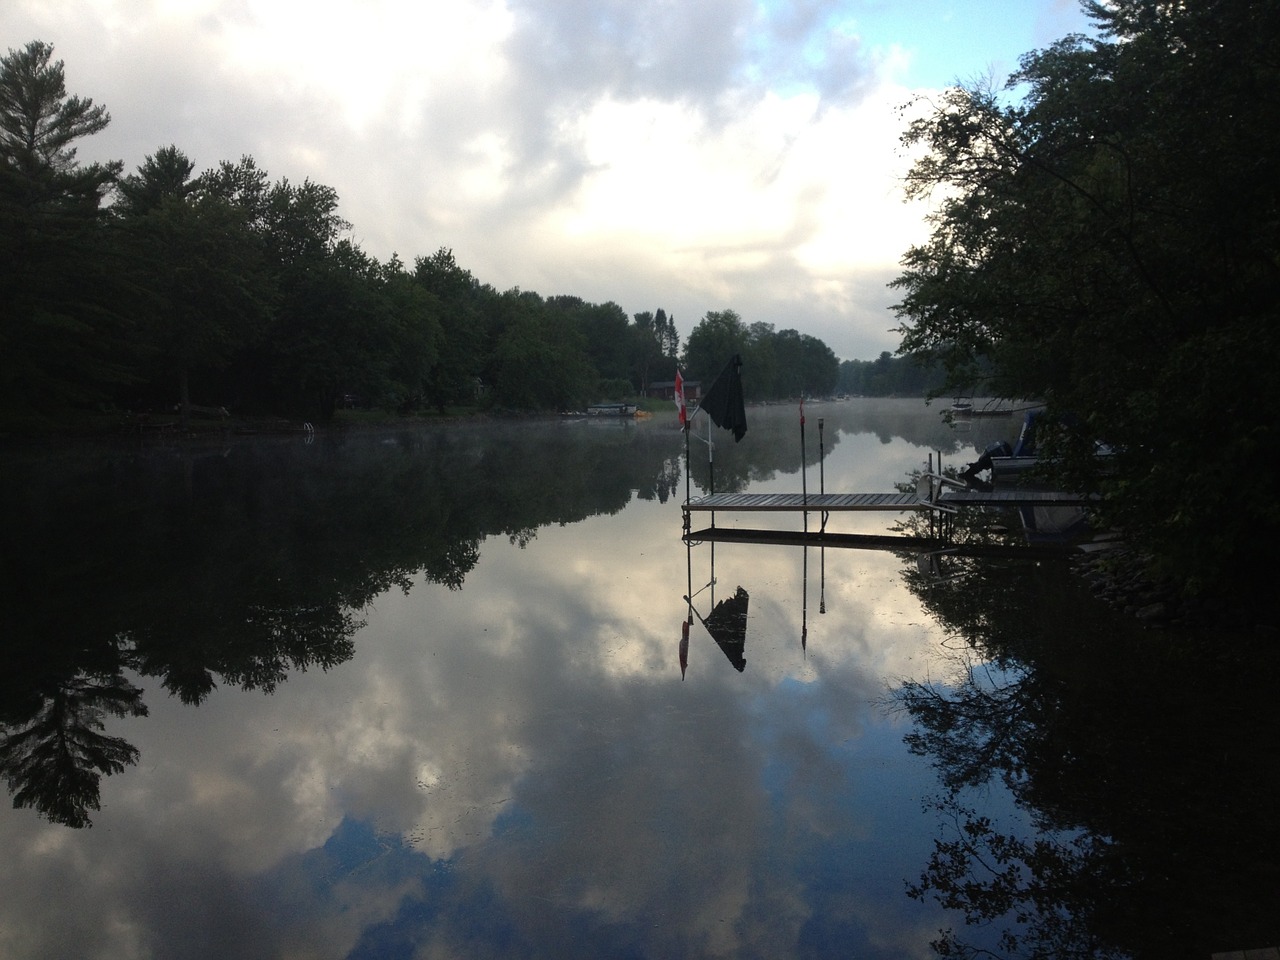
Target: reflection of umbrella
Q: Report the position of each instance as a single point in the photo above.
(727, 624)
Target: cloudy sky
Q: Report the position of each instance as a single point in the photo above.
(694, 156)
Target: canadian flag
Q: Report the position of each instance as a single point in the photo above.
(679, 398)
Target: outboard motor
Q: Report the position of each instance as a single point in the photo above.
(997, 449)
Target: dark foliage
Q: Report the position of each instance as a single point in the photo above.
(1109, 244)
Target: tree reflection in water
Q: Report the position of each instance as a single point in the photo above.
(55, 757)
(238, 566)
(1146, 761)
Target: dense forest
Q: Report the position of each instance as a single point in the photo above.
(228, 290)
(1106, 237)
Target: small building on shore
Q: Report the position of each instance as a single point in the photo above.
(666, 390)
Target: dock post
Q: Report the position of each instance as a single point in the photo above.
(933, 514)
(822, 479)
(804, 490)
(687, 463)
(711, 459)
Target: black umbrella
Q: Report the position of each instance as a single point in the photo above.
(723, 403)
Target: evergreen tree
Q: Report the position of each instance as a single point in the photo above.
(198, 267)
(61, 338)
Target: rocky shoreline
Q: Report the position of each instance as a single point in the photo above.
(1121, 576)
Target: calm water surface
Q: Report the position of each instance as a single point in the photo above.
(420, 694)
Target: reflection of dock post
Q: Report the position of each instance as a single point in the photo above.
(822, 579)
(804, 606)
(687, 622)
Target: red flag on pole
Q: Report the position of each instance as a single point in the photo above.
(679, 398)
(802, 409)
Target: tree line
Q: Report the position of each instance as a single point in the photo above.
(890, 376)
(1106, 239)
(228, 289)
(776, 364)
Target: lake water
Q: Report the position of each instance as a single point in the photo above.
(420, 693)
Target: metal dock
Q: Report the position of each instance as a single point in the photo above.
(895, 502)
(940, 497)
(799, 503)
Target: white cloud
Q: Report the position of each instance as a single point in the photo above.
(690, 156)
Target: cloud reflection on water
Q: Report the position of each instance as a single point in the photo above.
(518, 764)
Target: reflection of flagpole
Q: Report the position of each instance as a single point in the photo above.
(692, 611)
(804, 607)
(689, 600)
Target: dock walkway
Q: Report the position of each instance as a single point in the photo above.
(945, 502)
(896, 502)
(796, 502)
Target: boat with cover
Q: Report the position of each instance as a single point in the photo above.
(612, 410)
(963, 408)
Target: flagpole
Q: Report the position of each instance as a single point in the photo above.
(725, 407)
(711, 462)
(822, 551)
(678, 391)
(687, 490)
